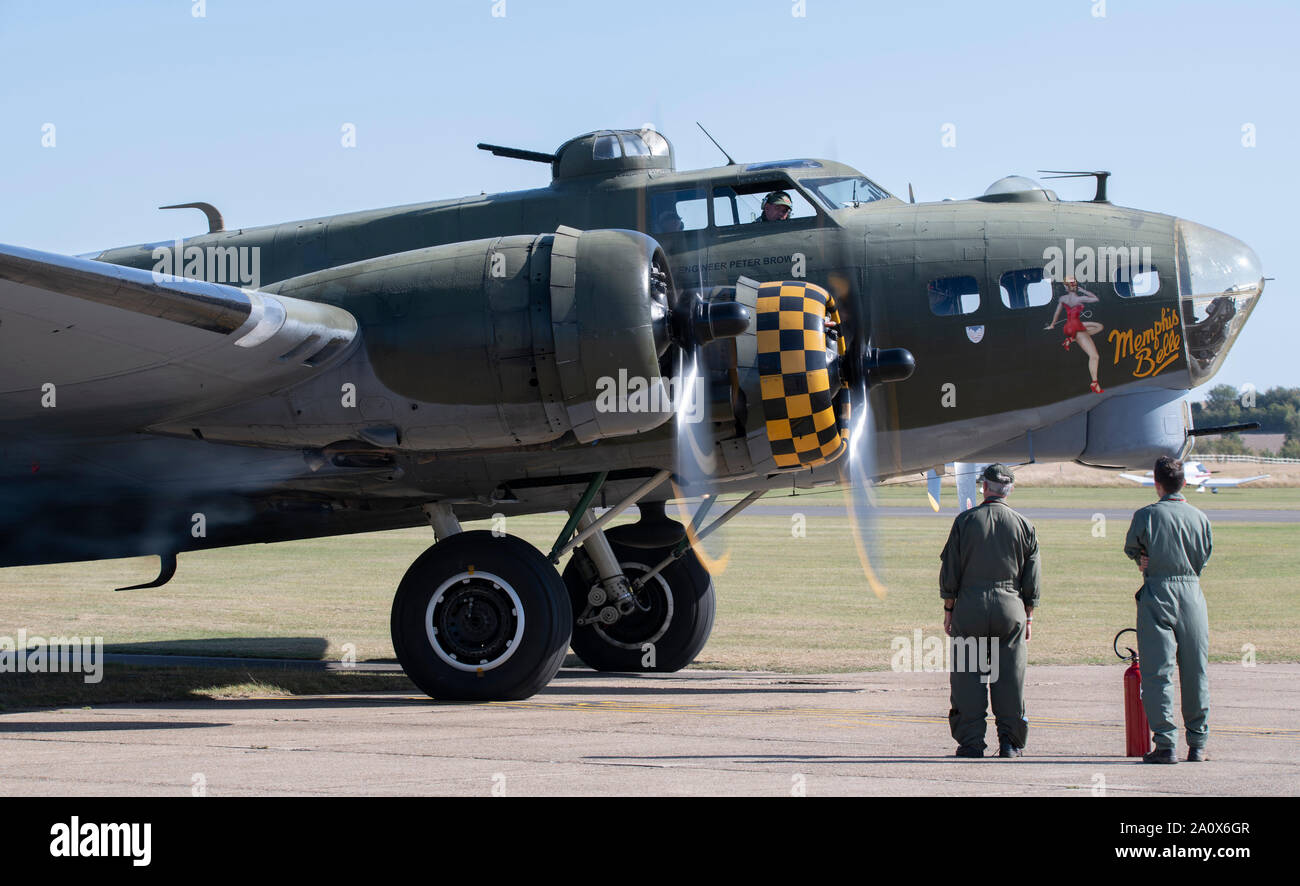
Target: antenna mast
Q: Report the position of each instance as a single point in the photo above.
(730, 162)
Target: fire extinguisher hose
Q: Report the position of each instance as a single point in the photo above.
(1132, 653)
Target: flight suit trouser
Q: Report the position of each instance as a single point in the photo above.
(1173, 627)
(989, 623)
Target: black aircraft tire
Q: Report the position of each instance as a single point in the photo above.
(472, 645)
(621, 646)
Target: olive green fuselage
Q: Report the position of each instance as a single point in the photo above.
(990, 380)
(984, 376)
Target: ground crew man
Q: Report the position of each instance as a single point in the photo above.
(776, 207)
(1171, 542)
(989, 585)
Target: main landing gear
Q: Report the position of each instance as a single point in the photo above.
(668, 622)
(482, 616)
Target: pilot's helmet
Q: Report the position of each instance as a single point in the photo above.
(780, 198)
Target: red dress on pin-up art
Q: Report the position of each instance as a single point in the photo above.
(1078, 330)
(1073, 324)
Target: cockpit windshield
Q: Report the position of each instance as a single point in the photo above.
(846, 191)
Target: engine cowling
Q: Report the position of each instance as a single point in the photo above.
(512, 340)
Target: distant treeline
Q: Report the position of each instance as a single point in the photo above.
(1277, 410)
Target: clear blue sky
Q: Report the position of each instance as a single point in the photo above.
(243, 107)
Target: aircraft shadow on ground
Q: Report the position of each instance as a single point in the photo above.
(10, 727)
(157, 673)
(309, 648)
(650, 688)
(833, 759)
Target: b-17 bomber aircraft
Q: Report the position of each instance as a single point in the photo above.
(628, 334)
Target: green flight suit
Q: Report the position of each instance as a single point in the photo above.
(990, 568)
(1172, 623)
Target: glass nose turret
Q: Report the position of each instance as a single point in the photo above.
(1219, 281)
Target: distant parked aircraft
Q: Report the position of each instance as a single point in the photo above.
(1199, 477)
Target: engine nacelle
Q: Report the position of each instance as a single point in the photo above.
(1125, 431)
(513, 340)
(1134, 430)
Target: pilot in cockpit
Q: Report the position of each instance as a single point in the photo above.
(776, 207)
(668, 221)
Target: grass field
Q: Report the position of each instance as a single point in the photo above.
(1130, 498)
(784, 603)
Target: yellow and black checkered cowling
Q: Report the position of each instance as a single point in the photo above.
(794, 374)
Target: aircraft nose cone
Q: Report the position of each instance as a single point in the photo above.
(1211, 262)
(1220, 280)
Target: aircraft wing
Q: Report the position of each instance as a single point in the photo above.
(1235, 481)
(1139, 479)
(90, 347)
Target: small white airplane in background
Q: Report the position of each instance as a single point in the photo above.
(968, 479)
(1199, 477)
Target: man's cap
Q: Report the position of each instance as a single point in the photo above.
(780, 198)
(999, 473)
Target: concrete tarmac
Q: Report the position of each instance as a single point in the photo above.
(690, 733)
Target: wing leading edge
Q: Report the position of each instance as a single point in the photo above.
(88, 346)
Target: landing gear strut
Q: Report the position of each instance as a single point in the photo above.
(671, 616)
(642, 606)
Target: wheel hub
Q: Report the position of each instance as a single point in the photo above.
(474, 621)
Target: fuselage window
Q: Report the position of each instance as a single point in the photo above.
(1136, 285)
(1025, 289)
(951, 296)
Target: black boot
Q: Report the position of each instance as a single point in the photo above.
(1160, 755)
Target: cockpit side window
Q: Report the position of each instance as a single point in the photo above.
(740, 204)
(684, 209)
(844, 192)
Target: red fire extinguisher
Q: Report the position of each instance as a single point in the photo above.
(1137, 732)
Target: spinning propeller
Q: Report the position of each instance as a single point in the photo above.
(862, 366)
(814, 372)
